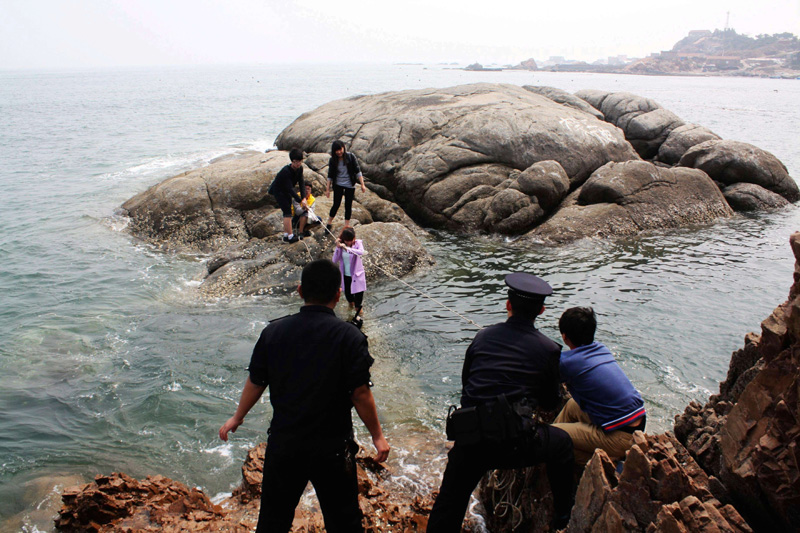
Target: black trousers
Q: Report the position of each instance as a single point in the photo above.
(333, 475)
(358, 298)
(467, 464)
(349, 193)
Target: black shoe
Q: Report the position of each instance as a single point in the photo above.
(306, 233)
(328, 227)
(293, 240)
(285, 238)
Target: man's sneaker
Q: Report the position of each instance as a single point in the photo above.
(285, 238)
(292, 240)
(328, 227)
(306, 233)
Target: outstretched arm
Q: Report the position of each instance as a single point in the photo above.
(364, 403)
(250, 395)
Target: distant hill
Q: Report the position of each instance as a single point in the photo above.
(725, 52)
(730, 43)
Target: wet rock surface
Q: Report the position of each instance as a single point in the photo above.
(119, 503)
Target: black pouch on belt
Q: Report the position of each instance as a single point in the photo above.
(463, 425)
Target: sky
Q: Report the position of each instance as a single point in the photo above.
(119, 33)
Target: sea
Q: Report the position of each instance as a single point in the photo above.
(111, 360)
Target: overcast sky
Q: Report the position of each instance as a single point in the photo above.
(89, 33)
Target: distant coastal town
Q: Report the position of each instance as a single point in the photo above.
(700, 53)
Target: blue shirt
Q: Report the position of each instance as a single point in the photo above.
(601, 388)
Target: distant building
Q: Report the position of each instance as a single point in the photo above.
(700, 33)
(724, 62)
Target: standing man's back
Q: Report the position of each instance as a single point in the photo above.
(317, 368)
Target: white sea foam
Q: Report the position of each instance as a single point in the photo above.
(224, 450)
(217, 499)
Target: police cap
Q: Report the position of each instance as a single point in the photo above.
(527, 285)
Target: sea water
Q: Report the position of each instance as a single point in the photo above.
(111, 361)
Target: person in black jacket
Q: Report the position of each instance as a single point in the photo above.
(282, 188)
(314, 382)
(510, 369)
(343, 171)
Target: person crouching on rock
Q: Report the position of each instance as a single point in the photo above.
(313, 385)
(343, 171)
(300, 218)
(605, 408)
(282, 188)
(348, 257)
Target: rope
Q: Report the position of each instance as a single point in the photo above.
(502, 482)
(431, 298)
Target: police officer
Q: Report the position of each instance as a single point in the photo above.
(317, 369)
(509, 368)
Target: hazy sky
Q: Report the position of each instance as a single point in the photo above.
(83, 33)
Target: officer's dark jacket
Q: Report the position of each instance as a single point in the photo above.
(352, 167)
(311, 377)
(285, 181)
(511, 358)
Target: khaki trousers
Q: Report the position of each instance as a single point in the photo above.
(586, 437)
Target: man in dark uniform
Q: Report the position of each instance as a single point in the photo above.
(314, 380)
(282, 188)
(509, 368)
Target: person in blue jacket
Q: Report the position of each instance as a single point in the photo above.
(605, 408)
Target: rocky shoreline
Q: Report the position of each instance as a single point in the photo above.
(731, 465)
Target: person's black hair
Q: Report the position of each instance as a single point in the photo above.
(320, 280)
(525, 307)
(347, 234)
(578, 324)
(295, 154)
(337, 145)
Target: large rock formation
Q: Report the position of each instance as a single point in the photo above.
(441, 148)
(224, 209)
(748, 435)
(628, 198)
(483, 157)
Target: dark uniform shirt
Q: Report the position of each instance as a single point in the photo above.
(511, 358)
(311, 377)
(285, 181)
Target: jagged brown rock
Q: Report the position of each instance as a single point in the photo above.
(748, 434)
(121, 504)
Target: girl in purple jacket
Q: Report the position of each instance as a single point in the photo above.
(348, 256)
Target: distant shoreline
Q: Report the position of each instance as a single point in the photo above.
(790, 75)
